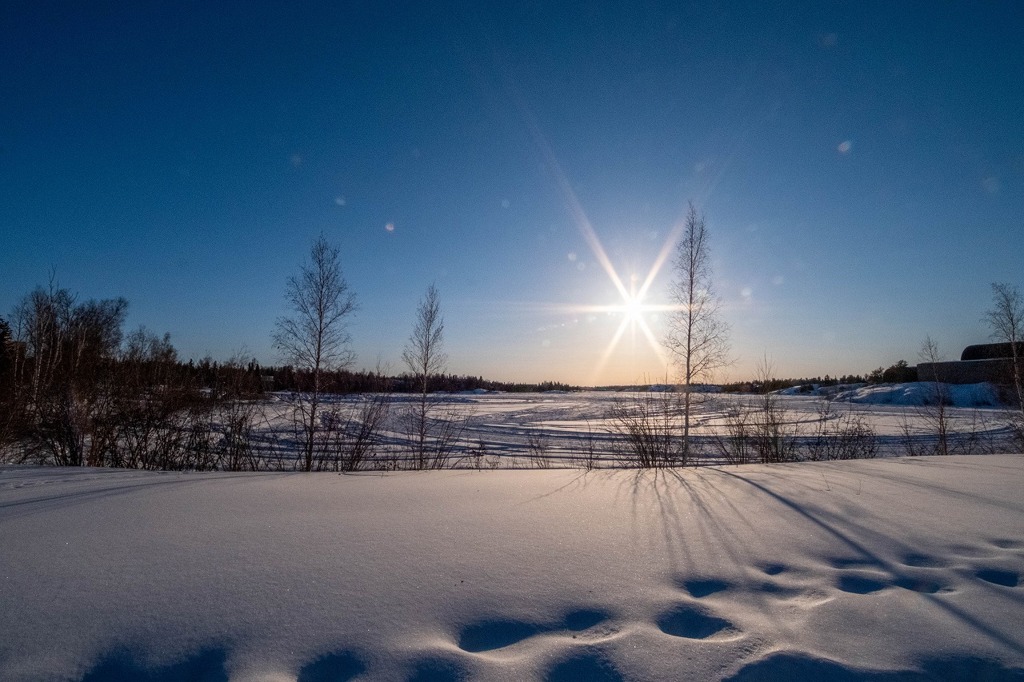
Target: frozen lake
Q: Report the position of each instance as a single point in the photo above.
(601, 428)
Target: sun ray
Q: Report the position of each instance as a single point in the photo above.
(633, 306)
(666, 250)
(658, 349)
(579, 216)
(609, 350)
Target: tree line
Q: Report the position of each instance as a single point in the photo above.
(76, 389)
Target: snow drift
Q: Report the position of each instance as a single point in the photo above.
(923, 393)
(895, 568)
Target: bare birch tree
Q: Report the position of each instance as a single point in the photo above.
(936, 414)
(698, 337)
(424, 356)
(1006, 319)
(315, 337)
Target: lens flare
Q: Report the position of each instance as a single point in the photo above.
(633, 308)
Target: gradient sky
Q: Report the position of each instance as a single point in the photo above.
(860, 166)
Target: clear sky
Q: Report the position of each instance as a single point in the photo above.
(860, 166)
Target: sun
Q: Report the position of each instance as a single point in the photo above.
(634, 309)
(634, 313)
(633, 306)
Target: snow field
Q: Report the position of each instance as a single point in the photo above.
(499, 430)
(901, 568)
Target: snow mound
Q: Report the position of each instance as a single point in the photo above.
(888, 569)
(923, 393)
(817, 390)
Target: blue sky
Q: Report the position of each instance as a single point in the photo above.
(860, 166)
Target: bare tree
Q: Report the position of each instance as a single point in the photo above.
(424, 356)
(315, 337)
(774, 432)
(698, 337)
(68, 349)
(1006, 319)
(936, 412)
(10, 406)
(840, 434)
(352, 429)
(643, 425)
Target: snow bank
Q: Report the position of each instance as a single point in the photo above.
(902, 567)
(923, 393)
(817, 390)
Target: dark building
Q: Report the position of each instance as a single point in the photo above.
(992, 362)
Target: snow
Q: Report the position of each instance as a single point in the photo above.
(909, 568)
(923, 393)
(912, 394)
(817, 390)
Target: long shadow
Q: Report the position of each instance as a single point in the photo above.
(661, 485)
(578, 481)
(900, 580)
(796, 667)
(882, 563)
(953, 492)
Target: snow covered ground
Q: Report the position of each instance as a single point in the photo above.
(893, 569)
(508, 430)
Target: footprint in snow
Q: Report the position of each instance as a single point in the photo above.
(699, 588)
(859, 584)
(869, 584)
(690, 621)
(999, 577)
(335, 667)
(922, 585)
(924, 561)
(489, 635)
